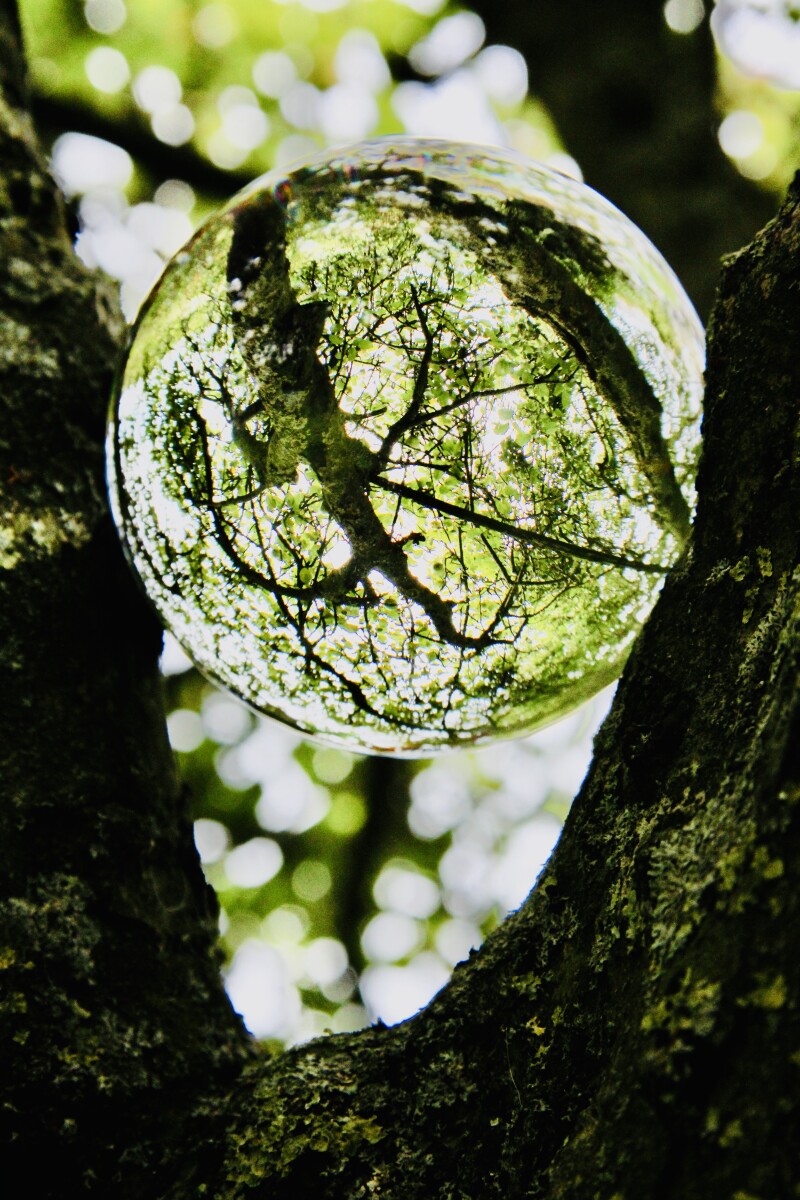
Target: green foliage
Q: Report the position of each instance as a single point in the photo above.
(365, 809)
(395, 475)
(458, 812)
(230, 55)
(423, 859)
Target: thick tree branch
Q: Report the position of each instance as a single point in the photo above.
(57, 115)
(518, 533)
(113, 1006)
(631, 1030)
(278, 339)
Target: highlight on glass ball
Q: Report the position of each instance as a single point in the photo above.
(405, 443)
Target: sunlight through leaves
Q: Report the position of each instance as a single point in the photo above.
(405, 444)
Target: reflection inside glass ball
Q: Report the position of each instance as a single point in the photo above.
(405, 442)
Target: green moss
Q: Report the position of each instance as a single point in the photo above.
(676, 1021)
(751, 595)
(14, 1003)
(44, 531)
(526, 985)
(729, 865)
(769, 993)
(769, 868)
(731, 1133)
(271, 1145)
(625, 906)
(764, 556)
(740, 569)
(17, 126)
(682, 871)
(8, 956)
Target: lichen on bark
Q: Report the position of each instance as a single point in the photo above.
(620, 1034)
(632, 1031)
(109, 966)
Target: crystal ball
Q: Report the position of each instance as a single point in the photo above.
(405, 443)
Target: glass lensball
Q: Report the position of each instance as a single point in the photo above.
(405, 443)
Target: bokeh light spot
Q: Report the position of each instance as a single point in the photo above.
(211, 839)
(455, 938)
(287, 923)
(684, 16)
(502, 73)
(391, 936)
(323, 6)
(525, 854)
(289, 799)
(294, 148)
(223, 153)
(311, 880)
(254, 862)
(393, 994)
(260, 990)
(156, 87)
(347, 112)
(403, 889)
(325, 961)
(359, 60)
(451, 41)
(347, 814)
(455, 107)
(741, 134)
(762, 38)
(173, 124)
(107, 69)
(225, 720)
(300, 105)
(348, 1019)
(245, 126)
(274, 72)
(175, 193)
(215, 25)
(332, 766)
(426, 8)
(185, 730)
(163, 229)
(174, 660)
(105, 16)
(81, 163)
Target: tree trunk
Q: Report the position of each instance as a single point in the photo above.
(632, 1031)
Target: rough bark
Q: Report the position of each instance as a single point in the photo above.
(631, 1032)
(633, 1029)
(111, 1005)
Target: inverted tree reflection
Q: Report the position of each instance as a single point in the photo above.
(381, 481)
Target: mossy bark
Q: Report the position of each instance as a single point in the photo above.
(631, 1032)
(111, 1007)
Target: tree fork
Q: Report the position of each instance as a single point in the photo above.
(632, 1031)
